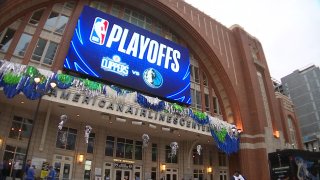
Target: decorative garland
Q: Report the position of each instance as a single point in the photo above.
(16, 78)
(156, 105)
(64, 81)
(229, 145)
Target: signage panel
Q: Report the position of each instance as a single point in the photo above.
(114, 50)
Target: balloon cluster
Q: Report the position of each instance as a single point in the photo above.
(87, 132)
(174, 147)
(63, 120)
(145, 140)
(199, 148)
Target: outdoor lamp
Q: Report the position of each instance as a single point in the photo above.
(37, 80)
(233, 128)
(80, 158)
(163, 167)
(41, 92)
(53, 85)
(209, 169)
(1, 141)
(277, 134)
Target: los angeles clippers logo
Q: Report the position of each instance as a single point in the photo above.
(99, 31)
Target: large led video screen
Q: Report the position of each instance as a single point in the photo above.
(108, 48)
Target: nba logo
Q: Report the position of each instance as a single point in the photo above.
(99, 31)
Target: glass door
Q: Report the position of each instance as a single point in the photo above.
(127, 174)
(63, 167)
(107, 171)
(171, 174)
(122, 174)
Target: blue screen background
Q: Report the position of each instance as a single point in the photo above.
(85, 57)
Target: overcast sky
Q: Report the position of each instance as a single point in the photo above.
(289, 30)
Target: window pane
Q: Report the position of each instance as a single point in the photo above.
(71, 141)
(115, 10)
(61, 139)
(26, 131)
(206, 101)
(109, 148)
(154, 152)
(70, 4)
(22, 45)
(193, 100)
(38, 51)
(120, 150)
(61, 24)
(36, 16)
(6, 41)
(87, 170)
(51, 21)
(50, 53)
(138, 150)
(8, 155)
(196, 75)
(90, 143)
(205, 81)
(198, 99)
(110, 138)
(128, 152)
(14, 131)
(138, 153)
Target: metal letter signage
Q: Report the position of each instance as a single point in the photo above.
(108, 48)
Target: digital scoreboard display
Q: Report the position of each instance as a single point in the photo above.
(116, 51)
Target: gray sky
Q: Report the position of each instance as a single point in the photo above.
(289, 30)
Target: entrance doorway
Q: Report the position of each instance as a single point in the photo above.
(171, 174)
(121, 171)
(63, 166)
(123, 174)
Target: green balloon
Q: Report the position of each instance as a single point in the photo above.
(32, 72)
(11, 78)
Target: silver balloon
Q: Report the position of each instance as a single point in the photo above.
(145, 140)
(174, 147)
(87, 132)
(63, 119)
(199, 148)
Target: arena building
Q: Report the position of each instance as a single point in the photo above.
(107, 119)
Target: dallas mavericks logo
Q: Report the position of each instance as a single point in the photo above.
(152, 78)
(99, 31)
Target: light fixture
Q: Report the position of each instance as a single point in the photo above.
(105, 116)
(233, 128)
(209, 169)
(1, 141)
(80, 158)
(276, 134)
(163, 167)
(152, 126)
(22, 102)
(53, 85)
(139, 123)
(165, 129)
(120, 119)
(239, 131)
(37, 80)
